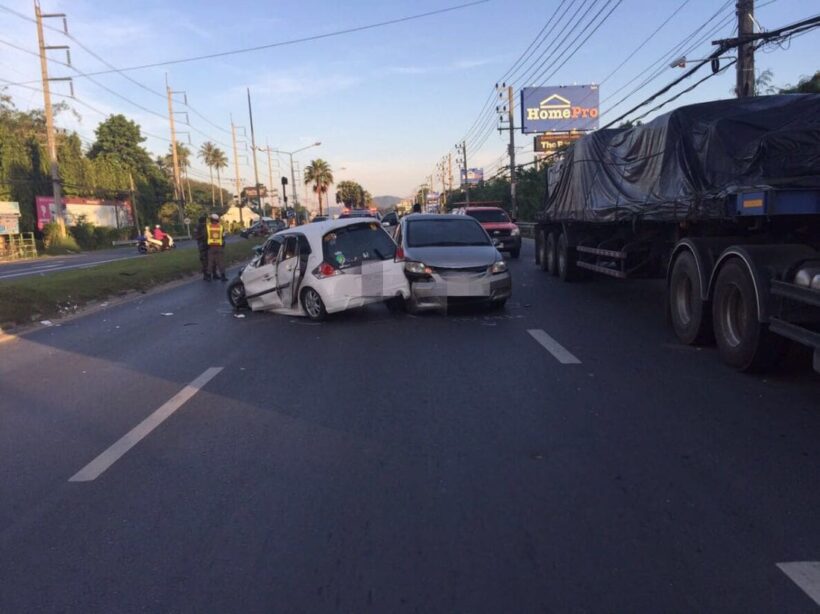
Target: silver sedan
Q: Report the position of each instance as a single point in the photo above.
(450, 258)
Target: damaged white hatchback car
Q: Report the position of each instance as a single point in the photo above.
(322, 268)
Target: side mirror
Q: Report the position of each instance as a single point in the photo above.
(386, 224)
(496, 242)
(514, 219)
(257, 250)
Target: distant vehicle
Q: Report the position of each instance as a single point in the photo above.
(450, 258)
(349, 213)
(499, 226)
(320, 218)
(262, 228)
(322, 268)
(390, 223)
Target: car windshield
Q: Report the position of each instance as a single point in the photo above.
(488, 215)
(351, 245)
(445, 232)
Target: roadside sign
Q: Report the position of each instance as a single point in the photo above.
(9, 208)
(187, 221)
(553, 141)
(562, 108)
(9, 224)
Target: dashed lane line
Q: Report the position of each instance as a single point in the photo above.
(561, 354)
(806, 575)
(96, 467)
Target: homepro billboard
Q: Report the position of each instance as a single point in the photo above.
(559, 109)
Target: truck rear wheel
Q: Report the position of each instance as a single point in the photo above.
(565, 256)
(550, 254)
(690, 315)
(743, 341)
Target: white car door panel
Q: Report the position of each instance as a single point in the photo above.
(260, 287)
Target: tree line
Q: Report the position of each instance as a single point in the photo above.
(103, 169)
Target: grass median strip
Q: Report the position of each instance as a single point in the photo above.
(60, 293)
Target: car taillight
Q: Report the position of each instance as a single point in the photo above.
(399, 254)
(325, 270)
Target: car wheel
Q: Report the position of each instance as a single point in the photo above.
(691, 317)
(515, 253)
(550, 255)
(395, 304)
(498, 305)
(236, 294)
(411, 305)
(743, 342)
(313, 305)
(567, 269)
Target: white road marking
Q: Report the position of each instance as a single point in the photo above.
(806, 575)
(561, 354)
(53, 269)
(96, 467)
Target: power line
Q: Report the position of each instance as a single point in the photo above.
(295, 41)
(583, 42)
(118, 71)
(645, 41)
(659, 65)
(723, 46)
(487, 106)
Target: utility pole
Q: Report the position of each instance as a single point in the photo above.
(179, 192)
(746, 50)
(270, 173)
(134, 201)
(50, 136)
(511, 119)
(464, 161)
(253, 148)
(236, 171)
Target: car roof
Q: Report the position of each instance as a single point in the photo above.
(316, 230)
(431, 216)
(484, 208)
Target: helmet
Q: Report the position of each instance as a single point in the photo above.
(214, 217)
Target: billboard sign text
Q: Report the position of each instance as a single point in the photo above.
(565, 108)
(472, 176)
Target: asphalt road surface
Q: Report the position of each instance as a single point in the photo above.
(84, 260)
(566, 455)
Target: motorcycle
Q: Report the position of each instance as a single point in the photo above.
(148, 247)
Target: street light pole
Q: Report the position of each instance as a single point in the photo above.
(292, 174)
(253, 147)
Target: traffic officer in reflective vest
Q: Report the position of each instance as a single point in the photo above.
(216, 244)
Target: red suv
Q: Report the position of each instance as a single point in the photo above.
(502, 230)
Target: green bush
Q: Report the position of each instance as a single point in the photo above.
(84, 233)
(62, 245)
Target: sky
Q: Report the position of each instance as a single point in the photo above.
(388, 103)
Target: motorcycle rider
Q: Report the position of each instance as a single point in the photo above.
(159, 235)
(216, 244)
(150, 240)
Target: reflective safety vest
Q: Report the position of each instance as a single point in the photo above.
(215, 234)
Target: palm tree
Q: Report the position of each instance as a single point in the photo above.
(220, 161)
(318, 173)
(184, 161)
(206, 154)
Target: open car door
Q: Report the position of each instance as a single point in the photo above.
(259, 278)
(290, 269)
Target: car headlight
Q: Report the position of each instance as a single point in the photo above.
(417, 268)
(515, 232)
(498, 267)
